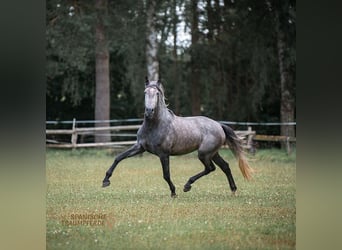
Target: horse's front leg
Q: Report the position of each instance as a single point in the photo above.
(165, 161)
(134, 150)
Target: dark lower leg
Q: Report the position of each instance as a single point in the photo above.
(109, 173)
(134, 150)
(208, 167)
(166, 174)
(225, 168)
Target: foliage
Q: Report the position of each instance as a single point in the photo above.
(236, 55)
(141, 215)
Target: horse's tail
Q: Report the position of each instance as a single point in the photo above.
(235, 144)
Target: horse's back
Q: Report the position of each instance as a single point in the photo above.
(201, 124)
(196, 133)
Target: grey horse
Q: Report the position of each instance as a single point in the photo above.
(163, 133)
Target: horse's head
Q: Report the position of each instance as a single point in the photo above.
(154, 96)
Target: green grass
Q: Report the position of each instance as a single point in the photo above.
(138, 212)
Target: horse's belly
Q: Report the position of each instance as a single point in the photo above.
(184, 147)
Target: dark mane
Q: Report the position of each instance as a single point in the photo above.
(171, 112)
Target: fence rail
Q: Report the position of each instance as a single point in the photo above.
(248, 136)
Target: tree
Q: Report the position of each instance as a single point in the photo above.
(287, 101)
(175, 71)
(70, 70)
(238, 64)
(195, 81)
(152, 62)
(102, 89)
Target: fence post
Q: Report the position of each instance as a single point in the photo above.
(250, 145)
(288, 146)
(248, 137)
(74, 134)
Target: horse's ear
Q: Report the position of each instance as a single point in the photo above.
(146, 81)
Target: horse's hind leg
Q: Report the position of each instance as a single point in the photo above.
(208, 167)
(225, 168)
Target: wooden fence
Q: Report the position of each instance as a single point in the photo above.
(277, 138)
(248, 136)
(76, 132)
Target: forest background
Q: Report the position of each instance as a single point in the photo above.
(232, 60)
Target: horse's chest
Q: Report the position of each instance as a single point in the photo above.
(154, 143)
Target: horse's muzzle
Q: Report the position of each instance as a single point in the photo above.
(149, 112)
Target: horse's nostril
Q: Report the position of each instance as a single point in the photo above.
(149, 111)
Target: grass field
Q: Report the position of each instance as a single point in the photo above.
(137, 212)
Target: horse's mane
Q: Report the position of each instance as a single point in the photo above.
(160, 87)
(171, 112)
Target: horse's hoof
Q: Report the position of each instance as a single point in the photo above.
(186, 188)
(234, 193)
(173, 196)
(105, 184)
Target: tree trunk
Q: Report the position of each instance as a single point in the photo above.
(102, 89)
(176, 78)
(195, 95)
(151, 43)
(211, 45)
(286, 99)
(210, 20)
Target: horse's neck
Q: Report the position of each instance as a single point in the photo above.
(163, 117)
